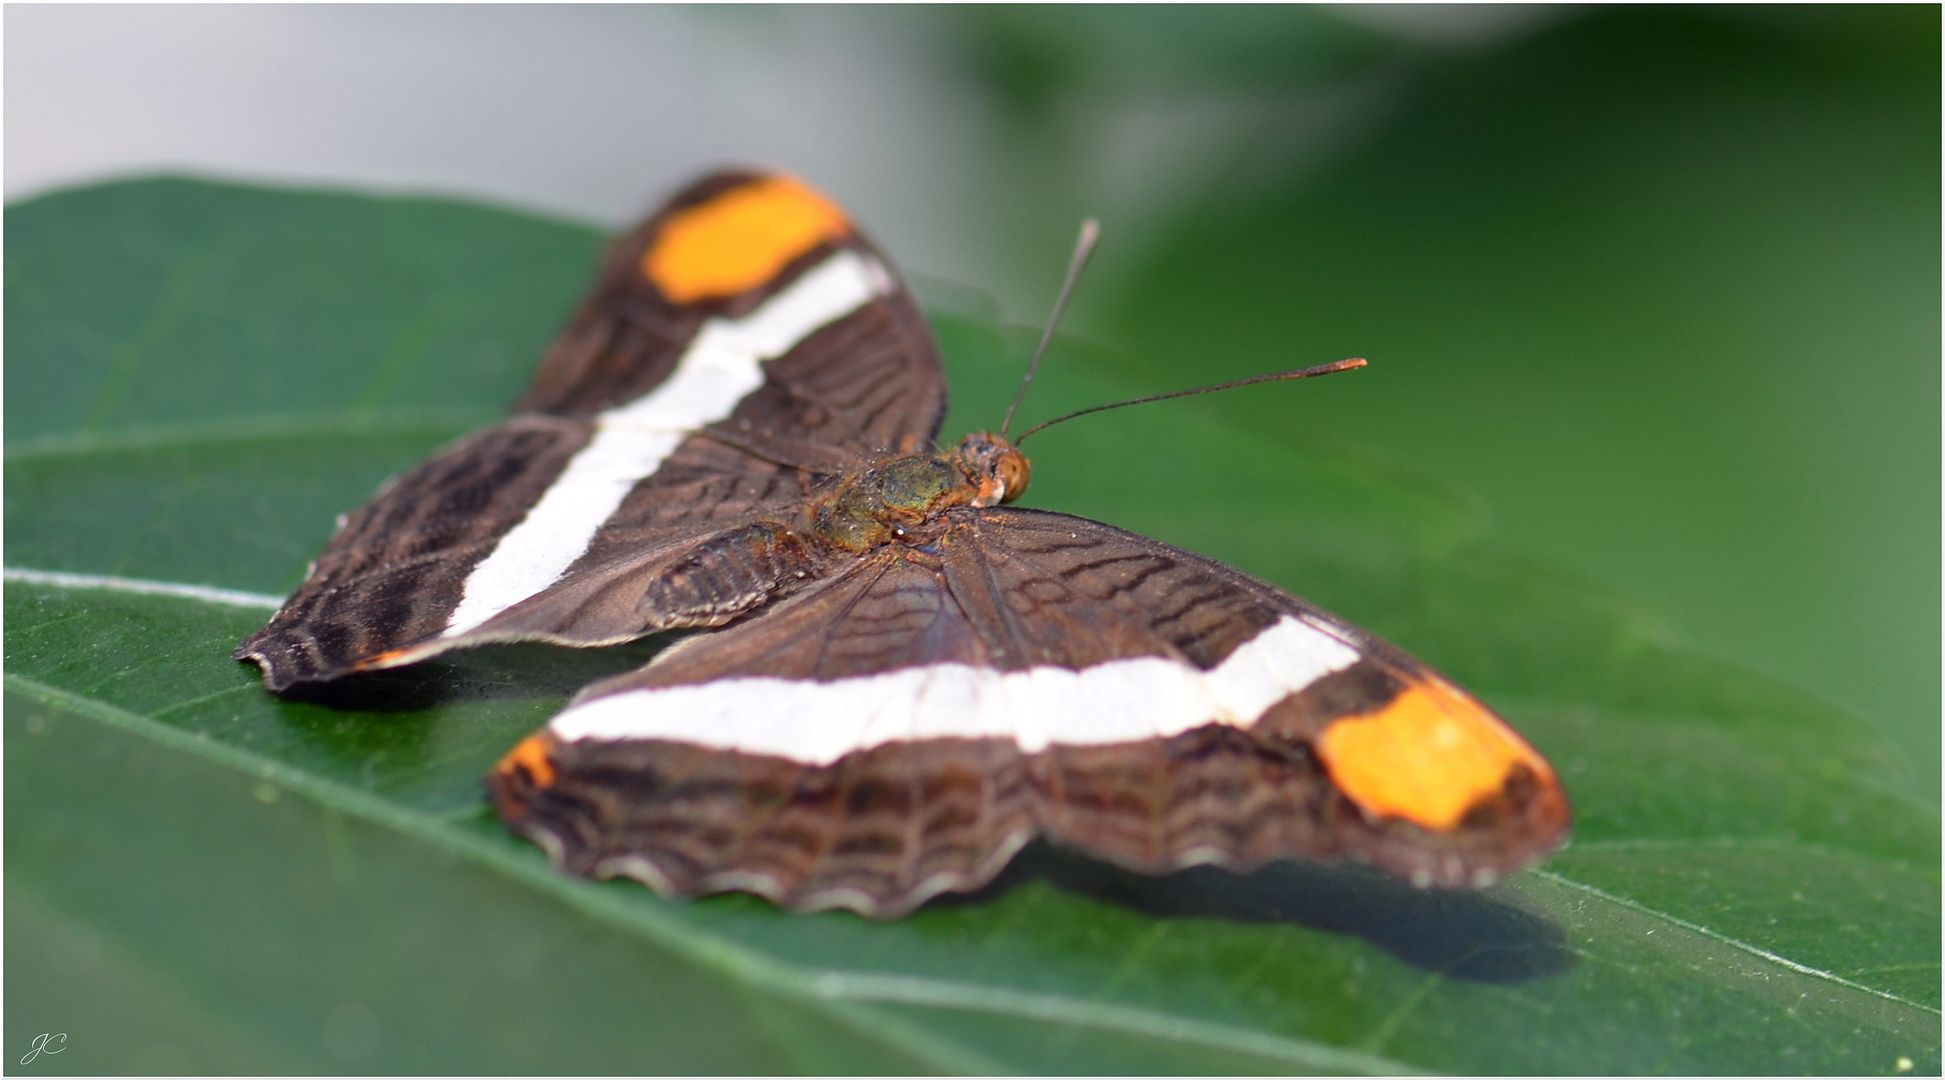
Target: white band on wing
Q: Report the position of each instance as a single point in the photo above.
(722, 366)
(1117, 701)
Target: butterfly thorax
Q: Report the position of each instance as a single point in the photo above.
(884, 502)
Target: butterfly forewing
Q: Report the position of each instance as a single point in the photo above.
(749, 307)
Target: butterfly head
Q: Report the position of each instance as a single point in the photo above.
(1000, 470)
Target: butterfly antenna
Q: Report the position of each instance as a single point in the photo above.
(1083, 247)
(1277, 376)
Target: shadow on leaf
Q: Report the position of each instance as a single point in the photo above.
(488, 672)
(1462, 934)
(415, 701)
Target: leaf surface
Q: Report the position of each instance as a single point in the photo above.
(203, 876)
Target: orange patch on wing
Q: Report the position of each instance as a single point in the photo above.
(739, 239)
(1428, 756)
(531, 755)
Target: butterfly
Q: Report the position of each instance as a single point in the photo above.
(898, 679)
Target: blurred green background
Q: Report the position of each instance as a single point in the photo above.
(1658, 287)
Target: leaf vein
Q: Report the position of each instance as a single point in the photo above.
(208, 594)
(1716, 935)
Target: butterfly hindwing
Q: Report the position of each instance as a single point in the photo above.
(709, 804)
(742, 343)
(901, 728)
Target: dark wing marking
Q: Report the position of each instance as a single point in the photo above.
(1057, 589)
(852, 382)
(863, 710)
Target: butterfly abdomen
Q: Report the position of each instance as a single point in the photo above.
(729, 573)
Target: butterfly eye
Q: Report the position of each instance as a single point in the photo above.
(1013, 471)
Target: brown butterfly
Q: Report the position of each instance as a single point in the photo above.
(911, 679)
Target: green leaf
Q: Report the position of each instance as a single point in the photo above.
(203, 877)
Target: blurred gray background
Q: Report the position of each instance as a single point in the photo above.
(594, 112)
